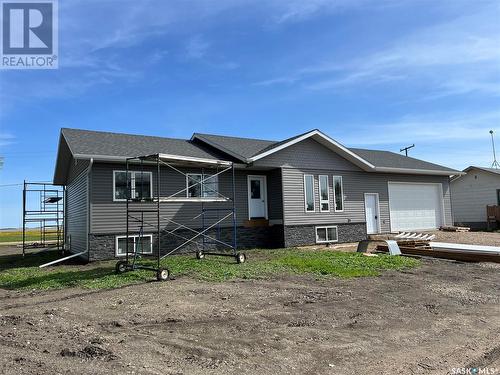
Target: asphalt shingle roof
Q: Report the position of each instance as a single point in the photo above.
(96, 143)
(244, 147)
(390, 159)
(89, 142)
(491, 170)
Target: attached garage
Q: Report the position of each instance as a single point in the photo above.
(415, 206)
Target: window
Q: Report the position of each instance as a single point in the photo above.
(309, 192)
(324, 194)
(144, 244)
(326, 234)
(339, 193)
(196, 188)
(141, 186)
(254, 189)
(498, 196)
(211, 186)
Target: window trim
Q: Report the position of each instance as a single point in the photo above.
(132, 184)
(204, 177)
(341, 195)
(326, 227)
(305, 194)
(321, 200)
(134, 236)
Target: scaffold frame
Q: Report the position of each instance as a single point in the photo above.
(49, 214)
(137, 215)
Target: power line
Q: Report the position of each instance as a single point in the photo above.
(8, 185)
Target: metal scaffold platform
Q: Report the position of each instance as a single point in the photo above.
(144, 210)
(43, 210)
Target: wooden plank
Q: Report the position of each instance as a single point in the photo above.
(193, 199)
(464, 247)
(454, 229)
(444, 254)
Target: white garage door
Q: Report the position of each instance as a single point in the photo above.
(415, 206)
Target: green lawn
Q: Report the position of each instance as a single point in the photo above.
(32, 235)
(16, 273)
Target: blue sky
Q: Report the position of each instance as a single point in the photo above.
(370, 73)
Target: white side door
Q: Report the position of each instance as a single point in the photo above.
(372, 213)
(257, 197)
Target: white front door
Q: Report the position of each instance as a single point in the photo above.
(257, 197)
(372, 214)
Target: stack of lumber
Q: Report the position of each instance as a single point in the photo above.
(461, 252)
(454, 229)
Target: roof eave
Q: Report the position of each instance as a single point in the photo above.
(60, 178)
(466, 170)
(219, 147)
(329, 142)
(418, 171)
(164, 157)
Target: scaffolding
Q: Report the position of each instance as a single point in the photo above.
(43, 205)
(143, 204)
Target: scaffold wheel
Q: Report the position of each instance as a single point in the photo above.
(162, 274)
(121, 266)
(241, 258)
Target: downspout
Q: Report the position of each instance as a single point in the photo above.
(283, 206)
(89, 184)
(451, 202)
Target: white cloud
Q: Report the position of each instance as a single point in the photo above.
(6, 139)
(300, 10)
(430, 129)
(197, 47)
(455, 57)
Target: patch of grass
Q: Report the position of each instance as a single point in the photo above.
(341, 264)
(24, 274)
(32, 235)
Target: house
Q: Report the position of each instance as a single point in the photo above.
(472, 192)
(303, 190)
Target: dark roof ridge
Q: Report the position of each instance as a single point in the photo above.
(127, 134)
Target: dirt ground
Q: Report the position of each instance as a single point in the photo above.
(429, 320)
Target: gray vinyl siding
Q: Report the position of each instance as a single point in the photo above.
(108, 216)
(306, 154)
(355, 184)
(472, 193)
(274, 195)
(76, 168)
(77, 208)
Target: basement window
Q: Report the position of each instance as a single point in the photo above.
(326, 234)
(144, 244)
(140, 185)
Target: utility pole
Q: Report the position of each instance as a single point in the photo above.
(495, 162)
(405, 149)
